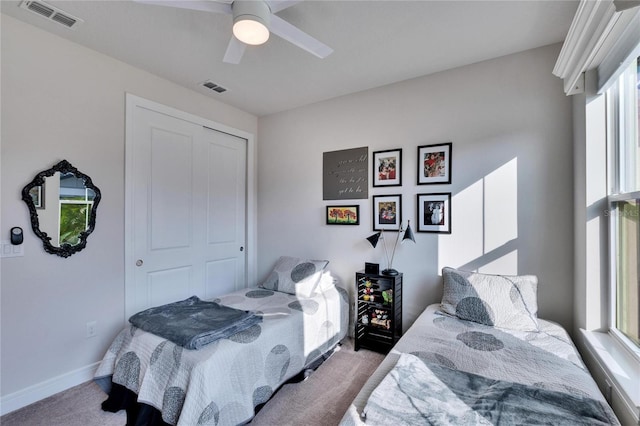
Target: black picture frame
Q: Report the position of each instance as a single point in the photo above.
(343, 215)
(434, 213)
(435, 163)
(387, 168)
(387, 212)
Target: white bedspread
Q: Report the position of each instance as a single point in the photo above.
(222, 383)
(546, 360)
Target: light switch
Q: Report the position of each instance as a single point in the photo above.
(10, 250)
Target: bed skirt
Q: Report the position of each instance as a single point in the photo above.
(138, 414)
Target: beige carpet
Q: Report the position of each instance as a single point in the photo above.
(324, 397)
(321, 400)
(77, 406)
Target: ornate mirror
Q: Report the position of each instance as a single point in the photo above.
(62, 204)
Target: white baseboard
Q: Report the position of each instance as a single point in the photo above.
(42, 390)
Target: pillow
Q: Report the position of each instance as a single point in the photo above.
(295, 276)
(506, 301)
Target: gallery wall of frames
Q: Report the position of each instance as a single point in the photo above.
(346, 177)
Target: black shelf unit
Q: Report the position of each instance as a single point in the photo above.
(378, 321)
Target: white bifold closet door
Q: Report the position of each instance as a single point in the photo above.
(186, 209)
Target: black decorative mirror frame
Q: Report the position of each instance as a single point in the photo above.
(65, 249)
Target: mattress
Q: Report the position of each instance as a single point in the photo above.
(547, 359)
(224, 381)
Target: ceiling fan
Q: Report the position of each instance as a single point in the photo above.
(253, 21)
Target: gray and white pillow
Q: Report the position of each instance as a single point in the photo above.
(507, 301)
(295, 276)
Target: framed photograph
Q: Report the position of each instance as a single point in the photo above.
(387, 168)
(387, 212)
(37, 195)
(434, 164)
(434, 213)
(343, 215)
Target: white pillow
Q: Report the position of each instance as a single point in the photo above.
(507, 301)
(295, 276)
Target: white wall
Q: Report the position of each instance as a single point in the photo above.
(511, 128)
(508, 119)
(63, 101)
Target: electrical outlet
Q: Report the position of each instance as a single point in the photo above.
(92, 329)
(608, 390)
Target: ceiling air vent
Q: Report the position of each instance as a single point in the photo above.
(211, 85)
(51, 13)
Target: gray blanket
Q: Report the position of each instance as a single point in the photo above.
(193, 323)
(419, 392)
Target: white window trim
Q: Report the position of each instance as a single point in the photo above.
(601, 36)
(622, 197)
(627, 344)
(620, 366)
(617, 127)
(616, 355)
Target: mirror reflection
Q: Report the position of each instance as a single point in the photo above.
(66, 210)
(62, 202)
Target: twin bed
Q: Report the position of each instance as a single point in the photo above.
(223, 382)
(480, 357)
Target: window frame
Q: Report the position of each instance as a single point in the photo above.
(620, 337)
(86, 201)
(617, 129)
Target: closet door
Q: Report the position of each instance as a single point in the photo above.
(185, 213)
(225, 218)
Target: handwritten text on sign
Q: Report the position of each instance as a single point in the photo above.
(345, 174)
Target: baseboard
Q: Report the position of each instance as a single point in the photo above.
(31, 394)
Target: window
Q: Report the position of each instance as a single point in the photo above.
(624, 201)
(76, 202)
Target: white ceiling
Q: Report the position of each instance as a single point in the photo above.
(375, 43)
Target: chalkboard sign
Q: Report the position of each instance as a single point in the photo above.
(345, 174)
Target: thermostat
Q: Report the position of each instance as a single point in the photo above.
(16, 235)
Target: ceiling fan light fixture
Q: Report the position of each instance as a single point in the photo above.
(251, 21)
(250, 32)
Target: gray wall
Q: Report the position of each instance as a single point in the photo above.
(511, 128)
(63, 101)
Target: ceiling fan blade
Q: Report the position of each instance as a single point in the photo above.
(278, 5)
(292, 34)
(235, 50)
(203, 5)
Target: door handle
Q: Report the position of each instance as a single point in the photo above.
(139, 262)
(241, 248)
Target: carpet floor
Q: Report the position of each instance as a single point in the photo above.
(320, 400)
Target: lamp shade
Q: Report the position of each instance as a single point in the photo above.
(408, 234)
(373, 239)
(251, 21)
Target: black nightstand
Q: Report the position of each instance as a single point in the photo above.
(378, 318)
